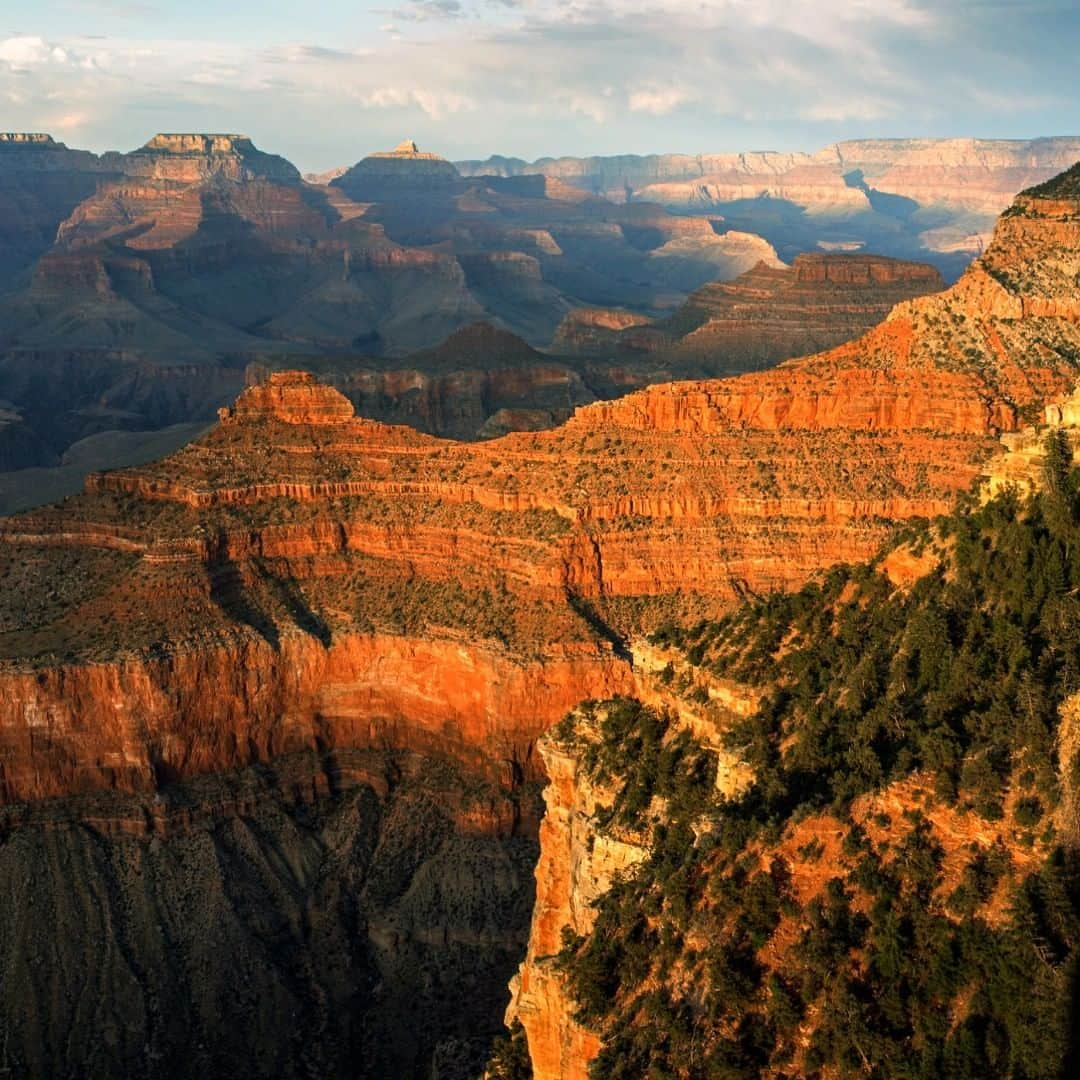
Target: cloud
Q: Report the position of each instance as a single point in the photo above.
(533, 77)
(432, 103)
(658, 100)
(23, 52)
(424, 10)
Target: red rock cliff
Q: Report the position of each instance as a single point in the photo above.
(204, 611)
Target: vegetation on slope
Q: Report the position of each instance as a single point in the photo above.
(890, 898)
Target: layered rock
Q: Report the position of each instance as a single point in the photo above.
(196, 157)
(41, 182)
(319, 540)
(302, 580)
(402, 172)
(292, 397)
(764, 316)
(200, 250)
(934, 197)
(976, 173)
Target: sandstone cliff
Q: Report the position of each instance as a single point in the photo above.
(322, 545)
(577, 866)
(764, 316)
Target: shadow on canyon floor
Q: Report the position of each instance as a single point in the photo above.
(337, 917)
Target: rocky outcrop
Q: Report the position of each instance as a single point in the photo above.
(577, 865)
(402, 172)
(764, 316)
(293, 397)
(195, 158)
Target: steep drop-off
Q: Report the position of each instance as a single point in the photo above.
(302, 581)
(351, 915)
(321, 547)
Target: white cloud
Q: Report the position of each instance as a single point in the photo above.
(658, 100)
(24, 52)
(529, 77)
(434, 104)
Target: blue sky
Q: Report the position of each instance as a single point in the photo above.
(326, 82)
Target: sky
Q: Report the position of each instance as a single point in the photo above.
(327, 81)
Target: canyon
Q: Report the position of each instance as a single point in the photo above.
(760, 318)
(376, 603)
(137, 288)
(141, 291)
(294, 525)
(934, 199)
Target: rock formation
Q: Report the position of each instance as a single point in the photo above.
(300, 580)
(764, 316)
(41, 182)
(403, 172)
(577, 865)
(200, 250)
(686, 493)
(913, 198)
(981, 174)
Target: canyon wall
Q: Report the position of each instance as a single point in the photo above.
(576, 866)
(935, 199)
(295, 526)
(980, 173)
(299, 580)
(288, 921)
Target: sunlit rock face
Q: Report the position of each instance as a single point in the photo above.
(295, 529)
(913, 198)
(764, 316)
(300, 580)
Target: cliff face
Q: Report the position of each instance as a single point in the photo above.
(764, 316)
(979, 173)
(295, 531)
(280, 922)
(576, 867)
(133, 725)
(922, 198)
(41, 182)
